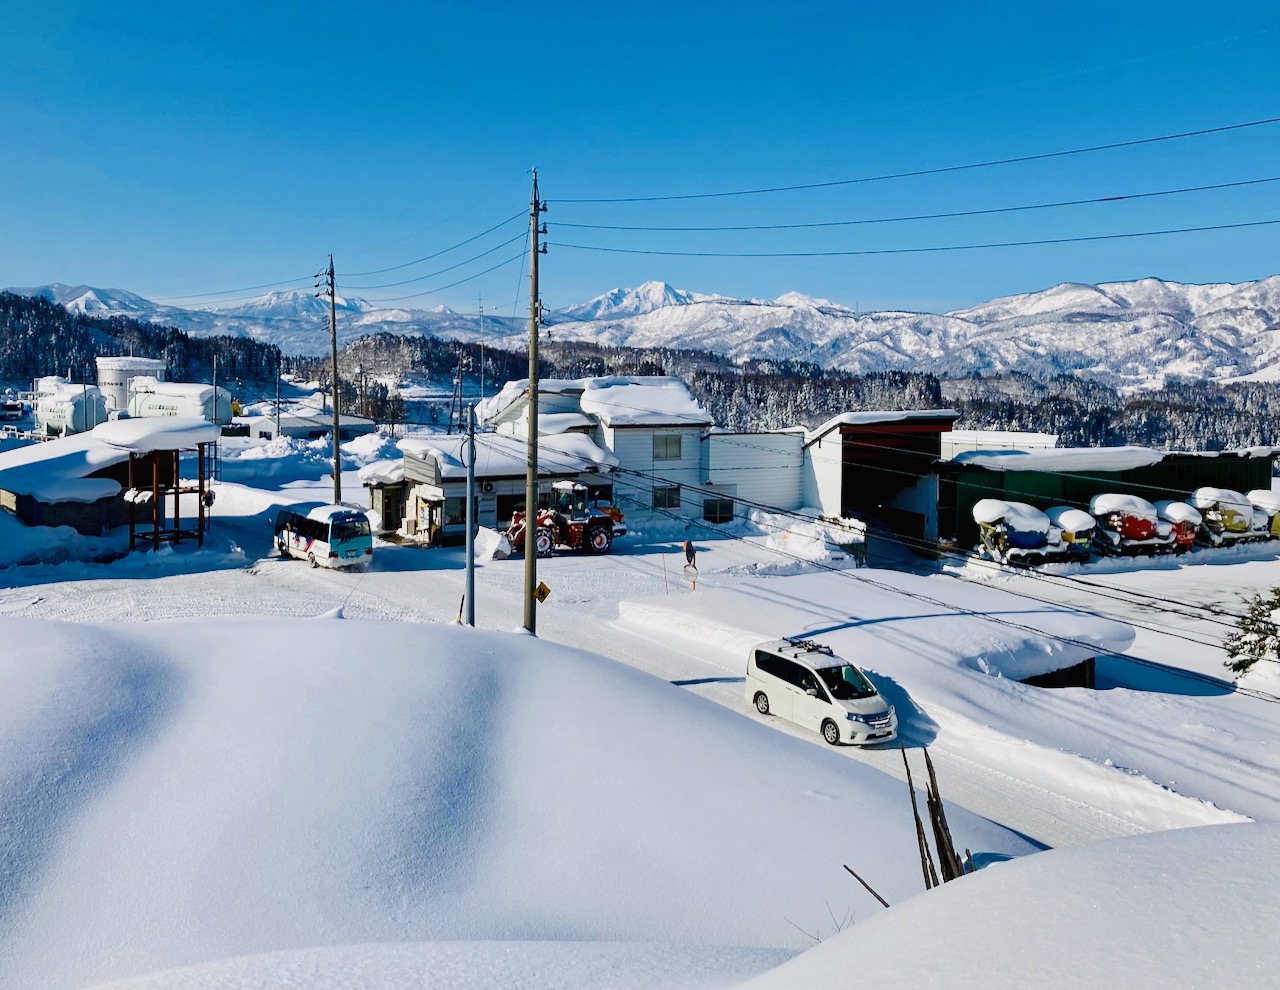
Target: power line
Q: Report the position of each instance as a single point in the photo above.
(916, 250)
(1043, 156)
(927, 216)
(423, 278)
(229, 292)
(418, 261)
(461, 281)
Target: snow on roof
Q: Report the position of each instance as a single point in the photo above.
(251, 766)
(632, 400)
(86, 490)
(1071, 520)
(1266, 499)
(1003, 439)
(143, 435)
(643, 401)
(52, 463)
(1130, 505)
(1207, 498)
(550, 424)
(323, 513)
(1063, 459)
(192, 390)
(500, 455)
(385, 472)
(872, 417)
(1175, 512)
(1017, 515)
(1126, 914)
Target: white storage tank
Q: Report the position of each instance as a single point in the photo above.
(115, 373)
(149, 397)
(66, 408)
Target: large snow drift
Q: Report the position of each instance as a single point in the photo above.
(175, 793)
(1195, 907)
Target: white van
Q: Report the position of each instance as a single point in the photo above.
(805, 682)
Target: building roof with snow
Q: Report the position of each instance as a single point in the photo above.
(500, 455)
(614, 401)
(872, 418)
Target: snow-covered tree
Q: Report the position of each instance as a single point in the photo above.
(1258, 635)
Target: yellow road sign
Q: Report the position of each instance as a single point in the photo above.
(541, 592)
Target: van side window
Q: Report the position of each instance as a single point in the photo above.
(791, 672)
(768, 663)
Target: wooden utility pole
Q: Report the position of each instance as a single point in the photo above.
(536, 207)
(330, 289)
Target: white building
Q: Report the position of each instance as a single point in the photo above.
(302, 427)
(741, 471)
(994, 441)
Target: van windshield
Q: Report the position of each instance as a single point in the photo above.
(349, 529)
(846, 682)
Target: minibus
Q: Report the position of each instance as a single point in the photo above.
(328, 536)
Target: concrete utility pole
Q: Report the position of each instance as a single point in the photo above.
(469, 445)
(278, 370)
(536, 207)
(330, 289)
(215, 390)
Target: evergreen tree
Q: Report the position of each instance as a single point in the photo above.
(1258, 635)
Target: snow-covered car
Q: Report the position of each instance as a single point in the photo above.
(1130, 525)
(1229, 517)
(805, 682)
(1017, 533)
(1077, 528)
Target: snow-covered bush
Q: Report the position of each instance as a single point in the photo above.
(1258, 634)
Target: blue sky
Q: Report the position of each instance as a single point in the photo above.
(182, 149)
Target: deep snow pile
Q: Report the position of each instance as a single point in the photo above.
(291, 784)
(282, 460)
(1191, 908)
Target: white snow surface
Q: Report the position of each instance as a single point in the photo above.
(143, 435)
(1189, 908)
(1265, 499)
(1130, 505)
(287, 784)
(1175, 512)
(500, 455)
(1206, 498)
(24, 470)
(1018, 515)
(1072, 520)
(643, 401)
(1063, 459)
(385, 472)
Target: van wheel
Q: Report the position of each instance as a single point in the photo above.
(311, 559)
(283, 548)
(831, 732)
(762, 703)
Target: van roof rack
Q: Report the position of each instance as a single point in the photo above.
(809, 646)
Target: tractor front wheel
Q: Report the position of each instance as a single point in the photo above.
(598, 539)
(544, 542)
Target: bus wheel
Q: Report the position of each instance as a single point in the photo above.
(283, 548)
(311, 559)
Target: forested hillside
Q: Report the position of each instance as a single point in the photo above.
(38, 337)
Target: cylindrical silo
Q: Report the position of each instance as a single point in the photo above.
(115, 373)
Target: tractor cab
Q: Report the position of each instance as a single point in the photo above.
(570, 500)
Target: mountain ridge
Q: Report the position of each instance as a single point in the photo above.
(1135, 334)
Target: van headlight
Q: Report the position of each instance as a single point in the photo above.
(853, 717)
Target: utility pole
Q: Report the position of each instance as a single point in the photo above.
(278, 371)
(330, 289)
(480, 303)
(469, 445)
(536, 207)
(215, 390)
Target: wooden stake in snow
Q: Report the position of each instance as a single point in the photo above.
(947, 857)
(926, 857)
(865, 884)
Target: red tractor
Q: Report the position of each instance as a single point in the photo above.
(572, 523)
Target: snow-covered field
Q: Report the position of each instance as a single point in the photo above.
(205, 772)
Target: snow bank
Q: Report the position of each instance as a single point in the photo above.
(1071, 520)
(473, 966)
(1178, 512)
(1064, 459)
(1190, 908)
(24, 545)
(291, 784)
(1129, 505)
(1016, 515)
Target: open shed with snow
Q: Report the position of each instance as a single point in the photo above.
(881, 465)
(1072, 476)
(120, 473)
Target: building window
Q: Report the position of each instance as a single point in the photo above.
(717, 510)
(667, 497)
(666, 448)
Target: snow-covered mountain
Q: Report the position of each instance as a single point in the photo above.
(1125, 333)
